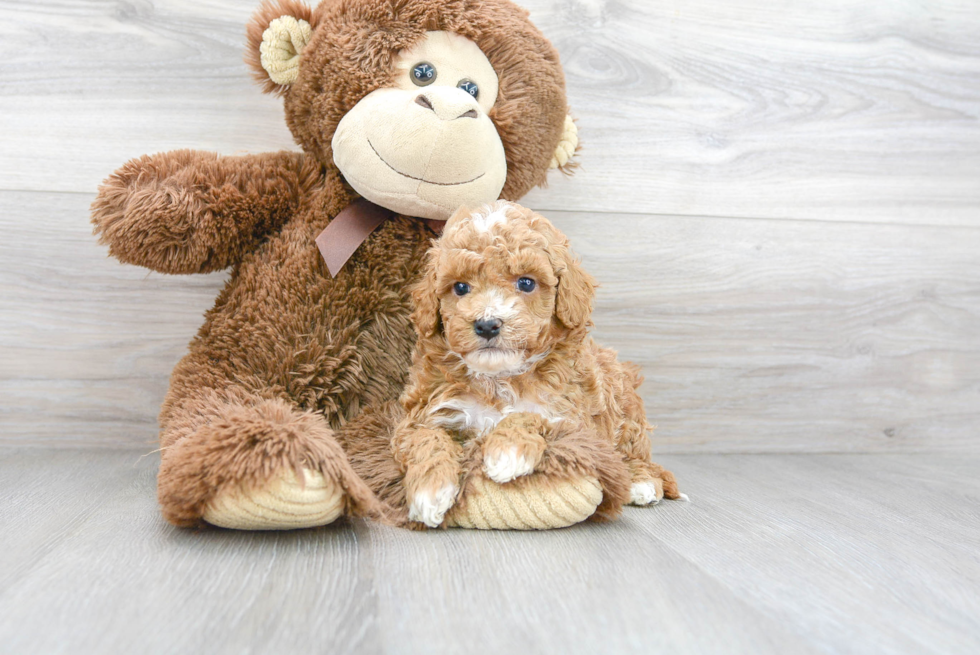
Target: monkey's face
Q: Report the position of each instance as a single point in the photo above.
(420, 122)
(426, 145)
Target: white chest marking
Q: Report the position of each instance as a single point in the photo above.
(468, 413)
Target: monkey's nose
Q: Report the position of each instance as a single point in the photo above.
(448, 105)
(487, 328)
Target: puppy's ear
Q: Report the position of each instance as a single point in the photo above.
(426, 298)
(277, 34)
(576, 290)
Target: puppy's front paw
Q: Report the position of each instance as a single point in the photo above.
(645, 493)
(430, 508)
(506, 465)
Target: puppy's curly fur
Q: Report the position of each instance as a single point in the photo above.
(505, 378)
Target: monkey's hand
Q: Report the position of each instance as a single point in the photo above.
(195, 212)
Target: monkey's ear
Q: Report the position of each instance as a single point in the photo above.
(425, 297)
(567, 147)
(576, 291)
(277, 34)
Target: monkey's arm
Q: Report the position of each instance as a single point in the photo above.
(195, 212)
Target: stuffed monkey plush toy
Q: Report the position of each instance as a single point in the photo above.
(403, 111)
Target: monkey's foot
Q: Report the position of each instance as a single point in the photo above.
(528, 503)
(284, 503)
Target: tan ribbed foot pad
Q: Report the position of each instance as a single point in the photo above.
(492, 506)
(283, 504)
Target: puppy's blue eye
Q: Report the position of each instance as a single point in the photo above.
(525, 284)
(423, 74)
(470, 87)
(461, 288)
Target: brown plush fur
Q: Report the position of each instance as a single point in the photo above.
(595, 422)
(288, 354)
(215, 446)
(352, 53)
(207, 211)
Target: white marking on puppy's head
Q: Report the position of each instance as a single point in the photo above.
(497, 306)
(490, 215)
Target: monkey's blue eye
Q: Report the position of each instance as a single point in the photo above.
(461, 288)
(525, 284)
(423, 74)
(470, 87)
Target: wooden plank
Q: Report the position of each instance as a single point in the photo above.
(432, 592)
(842, 111)
(118, 579)
(755, 336)
(862, 554)
(86, 344)
(775, 554)
(587, 589)
(846, 111)
(47, 495)
(760, 336)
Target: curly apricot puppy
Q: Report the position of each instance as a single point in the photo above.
(504, 360)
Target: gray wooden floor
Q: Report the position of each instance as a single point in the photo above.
(781, 202)
(775, 554)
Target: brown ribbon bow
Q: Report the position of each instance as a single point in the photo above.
(351, 227)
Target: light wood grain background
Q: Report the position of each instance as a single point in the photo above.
(781, 200)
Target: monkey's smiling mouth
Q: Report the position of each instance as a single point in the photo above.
(412, 177)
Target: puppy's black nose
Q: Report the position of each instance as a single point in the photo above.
(487, 328)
